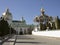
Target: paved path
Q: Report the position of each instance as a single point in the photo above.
(32, 40)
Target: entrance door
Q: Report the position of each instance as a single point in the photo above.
(21, 31)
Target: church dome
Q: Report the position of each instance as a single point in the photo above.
(42, 10)
(6, 12)
(7, 15)
(36, 19)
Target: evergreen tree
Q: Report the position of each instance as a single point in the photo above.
(4, 27)
(58, 22)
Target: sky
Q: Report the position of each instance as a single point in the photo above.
(30, 8)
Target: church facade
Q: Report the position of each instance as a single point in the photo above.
(46, 22)
(19, 25)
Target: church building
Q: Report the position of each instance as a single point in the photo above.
(44, 21)
(18, 25)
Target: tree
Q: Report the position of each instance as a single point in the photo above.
(4, 27)
(13, 31)
(58, 22)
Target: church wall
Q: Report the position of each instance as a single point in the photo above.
(18, 26)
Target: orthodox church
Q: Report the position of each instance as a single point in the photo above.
(46, 21)
(19, 26)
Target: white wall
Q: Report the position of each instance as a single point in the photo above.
(53, 33)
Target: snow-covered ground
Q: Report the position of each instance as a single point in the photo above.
(51, 33)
